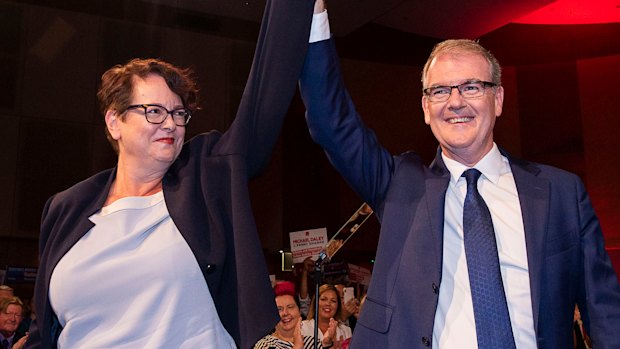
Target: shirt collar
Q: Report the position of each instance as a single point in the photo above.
(492, 166)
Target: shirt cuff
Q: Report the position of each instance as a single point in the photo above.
(319, 30)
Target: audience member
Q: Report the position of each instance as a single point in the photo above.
(304, 295)
(359, 309)
(349, 308)
(11, 312)
(582, 341)
(287, 333)
(29, 314)
(329, 310)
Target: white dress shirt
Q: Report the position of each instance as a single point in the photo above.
(454, 325)
(319, 30)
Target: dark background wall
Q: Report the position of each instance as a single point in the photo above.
(560, 108)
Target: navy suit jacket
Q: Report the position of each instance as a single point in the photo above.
(206, 191)
(567, 261)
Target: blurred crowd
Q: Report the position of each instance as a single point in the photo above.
(335, 314)
(339, 304)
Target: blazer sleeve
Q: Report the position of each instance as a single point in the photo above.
(278, 59)
(601, 313)
(336, 126)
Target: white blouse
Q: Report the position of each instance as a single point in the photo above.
(133, 282)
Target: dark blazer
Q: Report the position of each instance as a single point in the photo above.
(565, 249)
(206, 191)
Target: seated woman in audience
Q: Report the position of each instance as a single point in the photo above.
(287, 333)
(330, 308)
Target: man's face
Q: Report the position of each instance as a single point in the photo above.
(463, 127)
(10, 319)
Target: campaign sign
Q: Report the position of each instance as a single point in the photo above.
(307, 243)
(359, 274)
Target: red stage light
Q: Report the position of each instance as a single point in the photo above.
(574, 12)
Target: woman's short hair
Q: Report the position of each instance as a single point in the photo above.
(286, 288)
(116, 88)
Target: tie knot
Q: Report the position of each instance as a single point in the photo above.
(471, 176)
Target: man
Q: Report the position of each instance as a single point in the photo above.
(10, 315)
(547, 243)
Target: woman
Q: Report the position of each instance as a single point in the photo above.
(161, 251)
(287, 333)
(330, 308)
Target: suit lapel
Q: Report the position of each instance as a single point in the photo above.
(534, 200)
(436, 186)
(436, 212)
(89, 203)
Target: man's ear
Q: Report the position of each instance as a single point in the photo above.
(499, 100)
(112, 122)
(425, 108)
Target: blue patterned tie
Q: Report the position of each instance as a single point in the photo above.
(487, 291)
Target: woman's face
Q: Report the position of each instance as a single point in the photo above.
(153, 147)
(328, 304)
(289, 313)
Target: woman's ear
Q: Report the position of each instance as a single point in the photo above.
(112, 122)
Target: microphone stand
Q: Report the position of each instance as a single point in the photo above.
(334, 245)
(317, 278)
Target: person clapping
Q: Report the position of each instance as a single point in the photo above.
(287, 333)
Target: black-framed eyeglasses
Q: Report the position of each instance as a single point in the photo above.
(468, 90)
(156, 114)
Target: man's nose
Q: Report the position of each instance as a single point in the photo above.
(456, 100)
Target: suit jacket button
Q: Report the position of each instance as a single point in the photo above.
(211, 268)
(435, 288)
(426, 341)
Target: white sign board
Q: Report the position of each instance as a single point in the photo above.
(359, 274)
(307, 243)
